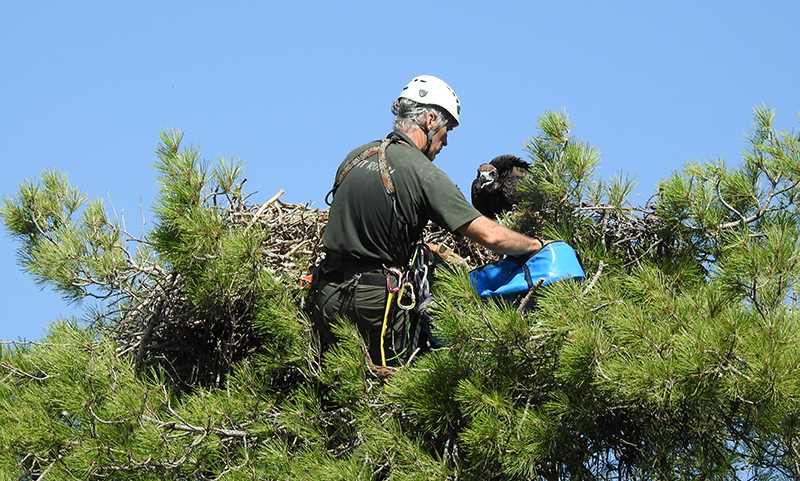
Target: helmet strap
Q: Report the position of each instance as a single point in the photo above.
(430, 135)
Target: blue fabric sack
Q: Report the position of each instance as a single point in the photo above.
(513, 277)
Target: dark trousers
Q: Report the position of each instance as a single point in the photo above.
(365, 306)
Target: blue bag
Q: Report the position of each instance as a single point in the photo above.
(513, 277)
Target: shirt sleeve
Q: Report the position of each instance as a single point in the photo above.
(448, 207)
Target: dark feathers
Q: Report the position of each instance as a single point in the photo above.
(494, 191)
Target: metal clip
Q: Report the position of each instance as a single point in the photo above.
(390, 271)
(411, 295)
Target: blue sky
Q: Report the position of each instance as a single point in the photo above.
(291, 87)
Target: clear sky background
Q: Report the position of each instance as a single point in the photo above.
(291, 87)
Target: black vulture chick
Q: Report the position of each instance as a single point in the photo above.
(494, 191)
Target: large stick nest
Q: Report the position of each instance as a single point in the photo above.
(295, 237)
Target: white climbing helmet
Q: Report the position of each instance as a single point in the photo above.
(430, 90)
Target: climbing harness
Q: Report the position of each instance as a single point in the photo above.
(411, 286)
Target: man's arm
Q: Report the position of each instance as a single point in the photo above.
(499, 239)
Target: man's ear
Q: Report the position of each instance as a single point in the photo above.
(430, 121)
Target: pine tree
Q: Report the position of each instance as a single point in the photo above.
(677, 358)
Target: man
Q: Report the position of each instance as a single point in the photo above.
(384, 195)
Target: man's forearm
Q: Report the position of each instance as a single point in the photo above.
(499, 239)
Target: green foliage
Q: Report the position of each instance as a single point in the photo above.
(193, 234)
(563, 166)
(70, 405)
(711, 200)
(677, 359)
(59, 246)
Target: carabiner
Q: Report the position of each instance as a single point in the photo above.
(422, 273)
(397, 272)
(412, 296)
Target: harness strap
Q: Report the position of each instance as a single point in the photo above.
(383, 167)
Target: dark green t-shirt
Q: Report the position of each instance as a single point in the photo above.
(362, 224)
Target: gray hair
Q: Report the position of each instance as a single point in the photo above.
(411, 114)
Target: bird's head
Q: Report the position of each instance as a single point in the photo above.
(487, 177)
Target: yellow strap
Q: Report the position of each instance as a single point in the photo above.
(383, 329)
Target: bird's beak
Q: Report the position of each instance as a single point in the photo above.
(486, 178)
